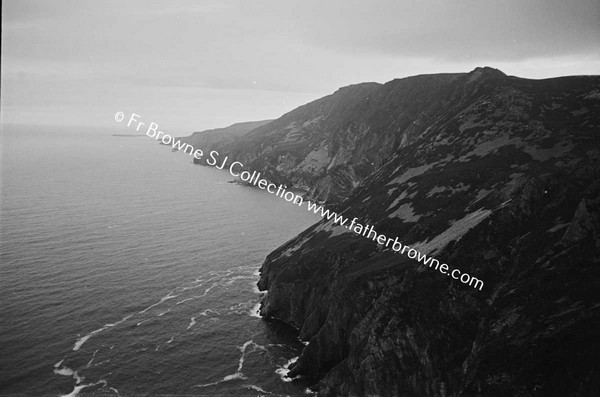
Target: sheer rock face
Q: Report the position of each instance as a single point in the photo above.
(209, 139)
(330, 145)
(494, 175)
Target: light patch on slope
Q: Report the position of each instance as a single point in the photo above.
(442, 189)
(540, 154)
(472, 122)
(342, 156)
(315, 161)
(312, 121)
(401, 197)
(334, 229)
(293, 132)
(410, 173)
(552, 106)
(558, 227)
(458, 229)
(484, 148)
(483, 193)
(579, 112)
(293, 248)
(405, 212)
(595, 94)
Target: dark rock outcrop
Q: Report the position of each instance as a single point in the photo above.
(494, 175)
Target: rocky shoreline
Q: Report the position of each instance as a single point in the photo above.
(498, 176)
(379, 324)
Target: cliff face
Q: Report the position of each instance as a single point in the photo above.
(209, 139)
(494, 175)
(329, 146)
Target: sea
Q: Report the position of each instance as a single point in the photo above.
(127, 270)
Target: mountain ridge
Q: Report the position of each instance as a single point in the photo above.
(329, 145)
(498, 176)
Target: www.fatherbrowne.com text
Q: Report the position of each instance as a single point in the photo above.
(237, 170)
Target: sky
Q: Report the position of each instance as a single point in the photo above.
(195, 65)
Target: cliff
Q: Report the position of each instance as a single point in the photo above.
(209, 139)
(497, 176)
(327, 147)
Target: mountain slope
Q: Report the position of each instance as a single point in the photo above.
(206, 140)
(494, 175)
(330, 145)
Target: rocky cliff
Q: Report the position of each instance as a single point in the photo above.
(327, 147)
(497, 176)
(209, 139)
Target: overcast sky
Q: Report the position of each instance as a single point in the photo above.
(193, 65)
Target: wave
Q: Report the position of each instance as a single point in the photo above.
(85, 338)
(66, 371)
(192, 323)
(285, 369)
(163, 299)
(92, 359)
(163, 313)
(205, 312)
(257, 388)
(185, 300)
(77, 389)
(215, 281)
(255, 311)
(238, 374)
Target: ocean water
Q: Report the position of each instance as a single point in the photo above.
(127, 270)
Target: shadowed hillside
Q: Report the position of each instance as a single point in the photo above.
(496, 175)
